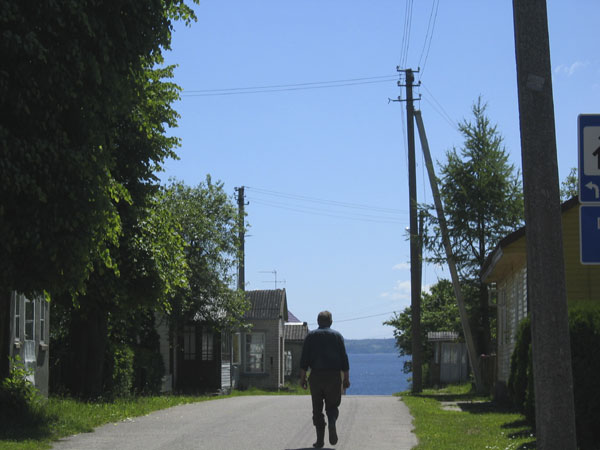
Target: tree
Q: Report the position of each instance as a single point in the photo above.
(570, 186)
(71, 78)
(483, 202)
(439, 312)
(208, 221)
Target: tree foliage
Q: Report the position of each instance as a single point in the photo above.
(208, 221)
(483, 202)
(439, 312)
(570, 186)
(82, 131)
(72, 74)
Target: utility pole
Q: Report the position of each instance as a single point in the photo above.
(415, 256)
(551, 351)
(464, 318)
(241, 284)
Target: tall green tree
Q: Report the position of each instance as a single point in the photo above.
(71, 79)
(483, 202)
(208, 220)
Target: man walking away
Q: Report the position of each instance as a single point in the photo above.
(324, 353)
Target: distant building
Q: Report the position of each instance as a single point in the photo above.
(260, 352)
(295, 332)
(30, 336)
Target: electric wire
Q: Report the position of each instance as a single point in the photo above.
(325, 201)
(288, 87)
(439, 108)
(360, 318)
(429, 36)
(325, 213)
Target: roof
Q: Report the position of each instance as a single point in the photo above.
(270, 304)
(292, 318)
(295, 331)
(493, 262)
(442, 336)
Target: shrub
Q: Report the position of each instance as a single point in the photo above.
(19, 399)
(149, 369)
(122, 375)
(584, 326)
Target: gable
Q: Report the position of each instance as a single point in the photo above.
(268, 304)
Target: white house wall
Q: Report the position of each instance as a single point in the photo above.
(512, 309)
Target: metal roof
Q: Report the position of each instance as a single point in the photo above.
(295, 331)
(442, 336)
(267, 304)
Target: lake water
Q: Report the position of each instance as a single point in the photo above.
(376, 374)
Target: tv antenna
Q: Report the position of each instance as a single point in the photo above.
(274, 272)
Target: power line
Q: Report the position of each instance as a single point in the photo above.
(288, 87)
(440, 108)
(326, 202)
(360, 318)
(406, 34)
(305, 210)
(430, 27)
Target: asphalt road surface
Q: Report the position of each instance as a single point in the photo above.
(255, 423)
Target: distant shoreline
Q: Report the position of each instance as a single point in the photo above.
(371, 345)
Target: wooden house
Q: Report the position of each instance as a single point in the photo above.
(450, 359)
(506, 271)
(196, 357)
(295, 332)
(30, 337)
(259, 354)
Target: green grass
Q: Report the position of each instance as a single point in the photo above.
(60, 417)
(478, 423)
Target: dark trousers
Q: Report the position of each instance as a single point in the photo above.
(325, 387)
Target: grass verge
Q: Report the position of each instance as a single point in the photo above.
(60, 417)
(455, 418)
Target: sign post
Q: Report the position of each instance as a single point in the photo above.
(588, 140)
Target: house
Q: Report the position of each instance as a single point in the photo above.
(505, 270)
(30, 336)
(295, 332)
(450, 359)
(259, 354)
(196, 357)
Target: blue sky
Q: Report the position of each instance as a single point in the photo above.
(326, 167)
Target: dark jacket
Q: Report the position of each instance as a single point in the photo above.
(324, 349)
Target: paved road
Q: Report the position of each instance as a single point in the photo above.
(255, 423)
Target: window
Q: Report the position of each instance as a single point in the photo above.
(189, 342)
(237, 350)
(17, 316)
(288, 363)
(255, 352)
(207, 345)
(29, 320)
(43, 305)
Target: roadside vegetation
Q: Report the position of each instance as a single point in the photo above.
(58, 417)
(456, 418)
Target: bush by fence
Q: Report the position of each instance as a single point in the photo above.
(584, 325)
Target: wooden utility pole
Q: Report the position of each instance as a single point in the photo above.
(241, 284)
(415, 257)
(464, 318)
(553, 380)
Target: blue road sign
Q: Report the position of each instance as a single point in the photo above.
(588, 130)
(589, 221)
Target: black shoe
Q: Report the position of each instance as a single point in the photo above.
(320, 437)
(333, 437)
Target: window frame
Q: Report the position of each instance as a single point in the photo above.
(29, 322)
(250, 364)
